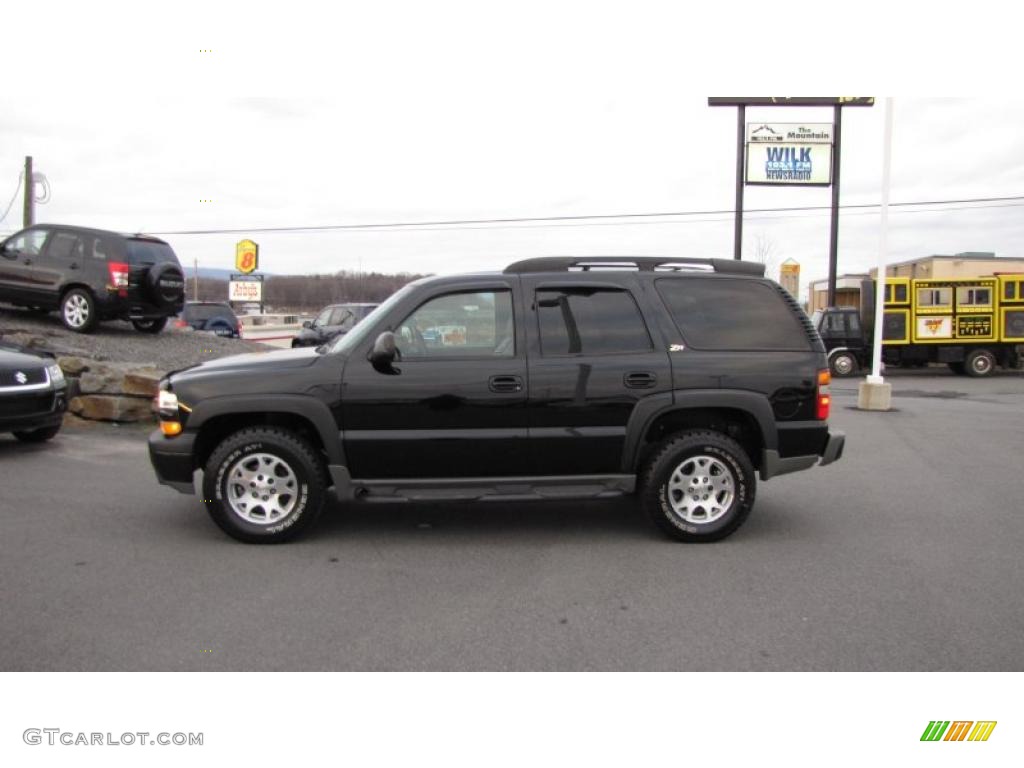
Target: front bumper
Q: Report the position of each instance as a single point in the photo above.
(773, 465)
(172, 460)
(51, 415)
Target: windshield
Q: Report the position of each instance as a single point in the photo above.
(352, 339)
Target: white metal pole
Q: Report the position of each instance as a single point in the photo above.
(883, 255)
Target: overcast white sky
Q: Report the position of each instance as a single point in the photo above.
(424, 112)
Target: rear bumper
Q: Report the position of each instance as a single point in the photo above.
(172, 460)
(773, 465)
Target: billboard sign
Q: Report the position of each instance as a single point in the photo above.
(245, 288)
(247, 257)
(798, 154)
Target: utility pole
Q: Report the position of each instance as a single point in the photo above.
(195, 278)
(29, 217)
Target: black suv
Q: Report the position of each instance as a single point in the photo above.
(678, 380)
(91, 275)
(332, 321)
(33, 394)
(211, 316)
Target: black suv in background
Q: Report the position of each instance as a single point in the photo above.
(332, 321)
(90, 275)
(214, 317)
(33, 394)
(678, 380)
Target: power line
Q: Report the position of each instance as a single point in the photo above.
(571, 218)
(13, 197)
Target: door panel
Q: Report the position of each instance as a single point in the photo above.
(592, 359)
(456, 408)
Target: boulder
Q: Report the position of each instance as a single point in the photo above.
(143, 382)
(111, 408)
(73, 366)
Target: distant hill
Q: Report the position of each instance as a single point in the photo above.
(214, 273)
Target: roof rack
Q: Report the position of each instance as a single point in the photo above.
(634, 264)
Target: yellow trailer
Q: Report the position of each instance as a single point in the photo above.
(971, 324)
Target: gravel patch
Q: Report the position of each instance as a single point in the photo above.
(118, 341)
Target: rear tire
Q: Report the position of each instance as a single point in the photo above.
(78, 311)
(699, 486)
(979, 363)
(264, 485)
(843, 364)
(150, 326)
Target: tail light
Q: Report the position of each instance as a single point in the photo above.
(179, 323)
(118, 277)
(824, 397)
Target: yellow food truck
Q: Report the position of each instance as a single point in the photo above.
(971, 324)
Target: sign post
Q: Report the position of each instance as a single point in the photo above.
(793, 167)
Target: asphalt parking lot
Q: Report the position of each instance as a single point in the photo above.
(905, 555)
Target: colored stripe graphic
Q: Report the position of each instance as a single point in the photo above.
(935, 730)
(958, 731)
(982, 730)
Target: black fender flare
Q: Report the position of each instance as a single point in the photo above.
(654, 406)
(313, 410)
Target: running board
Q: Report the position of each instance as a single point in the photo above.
(495, 488)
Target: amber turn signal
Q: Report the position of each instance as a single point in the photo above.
(170, 428)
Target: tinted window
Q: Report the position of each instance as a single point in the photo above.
(149, 252)
(342, 317)
(901, 293)
(724, 313)
(459, 325)
(195, 312)
(62, 245)
(590, 321)
(1008, 291)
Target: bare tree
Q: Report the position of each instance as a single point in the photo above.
(766, 253)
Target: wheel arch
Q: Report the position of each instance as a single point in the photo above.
(745, 416)
(215, 419)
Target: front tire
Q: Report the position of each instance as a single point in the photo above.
(78, 311)
(264, 485)
(699, 486)
(979, 363)
(40, 435)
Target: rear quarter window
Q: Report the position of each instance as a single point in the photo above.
(718, 313)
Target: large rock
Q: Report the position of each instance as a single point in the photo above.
(111, 408)
(119, 379)
(73, 366)
(144, 382)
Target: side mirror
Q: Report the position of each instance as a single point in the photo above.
(307, 324)
(384, 353)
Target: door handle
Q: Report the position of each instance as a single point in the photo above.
(28, 261)
(73, 265)
(505, 384)
(640, 379)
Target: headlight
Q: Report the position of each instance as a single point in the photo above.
(56, 374)
(167, 402)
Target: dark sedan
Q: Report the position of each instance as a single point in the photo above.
(332, 321)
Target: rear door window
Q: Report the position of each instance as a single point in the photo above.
(61, 246)
(719, 313)
(590, 321)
